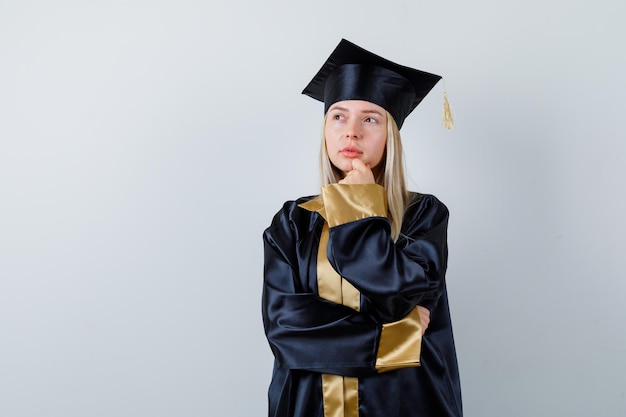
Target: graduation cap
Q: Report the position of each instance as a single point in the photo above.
(353, 73)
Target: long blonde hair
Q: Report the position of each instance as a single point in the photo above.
(390, 175)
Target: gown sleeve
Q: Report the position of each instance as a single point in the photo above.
(304, 331)
(393, 277)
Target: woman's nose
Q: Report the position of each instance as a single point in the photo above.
(352, 130)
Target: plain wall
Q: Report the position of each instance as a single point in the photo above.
(145, 146)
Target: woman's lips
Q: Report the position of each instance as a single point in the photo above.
(351, 152)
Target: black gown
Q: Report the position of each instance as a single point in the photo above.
(368, 359)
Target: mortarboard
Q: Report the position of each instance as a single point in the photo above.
(353, 73)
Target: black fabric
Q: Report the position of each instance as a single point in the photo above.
(353, 73)
(309, 336)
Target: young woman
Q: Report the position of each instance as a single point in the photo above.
(354, 297)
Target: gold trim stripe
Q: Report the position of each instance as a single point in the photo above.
(350, 296)
(400, 342)
(328, 280)
(351, 396)
(332, 389)
(340, 394)
(330, 285)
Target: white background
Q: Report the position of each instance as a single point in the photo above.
(145, 145)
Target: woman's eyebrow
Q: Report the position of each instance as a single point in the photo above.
(372, 111)
(363, 111)
(338, 108)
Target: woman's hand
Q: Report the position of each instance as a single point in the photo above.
(424, 317)
(360, 174)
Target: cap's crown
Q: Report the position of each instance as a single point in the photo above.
(353, 73)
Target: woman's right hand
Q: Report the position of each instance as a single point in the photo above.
(360, 174)
(424, 314)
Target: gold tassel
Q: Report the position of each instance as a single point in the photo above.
(448, 121)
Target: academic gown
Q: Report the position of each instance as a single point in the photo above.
(365, 357)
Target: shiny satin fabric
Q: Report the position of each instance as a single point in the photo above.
(378, 85)
(347, 203)
(400, 343)
(339, 393)
(310, 336)
(353, 73)
(341, 396)
(330, 285)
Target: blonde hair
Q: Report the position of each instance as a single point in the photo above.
(390, 174)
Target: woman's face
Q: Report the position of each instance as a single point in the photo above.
(355, 129)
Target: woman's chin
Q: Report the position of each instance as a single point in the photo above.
(346, 165)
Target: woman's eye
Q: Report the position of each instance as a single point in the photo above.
(337, 117)
(370, 120)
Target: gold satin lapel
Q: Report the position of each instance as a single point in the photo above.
(351, 396)
(332, 388)
(328, 280)
(340, 394)
(315, 204)
(351, 297)
(330, 285)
